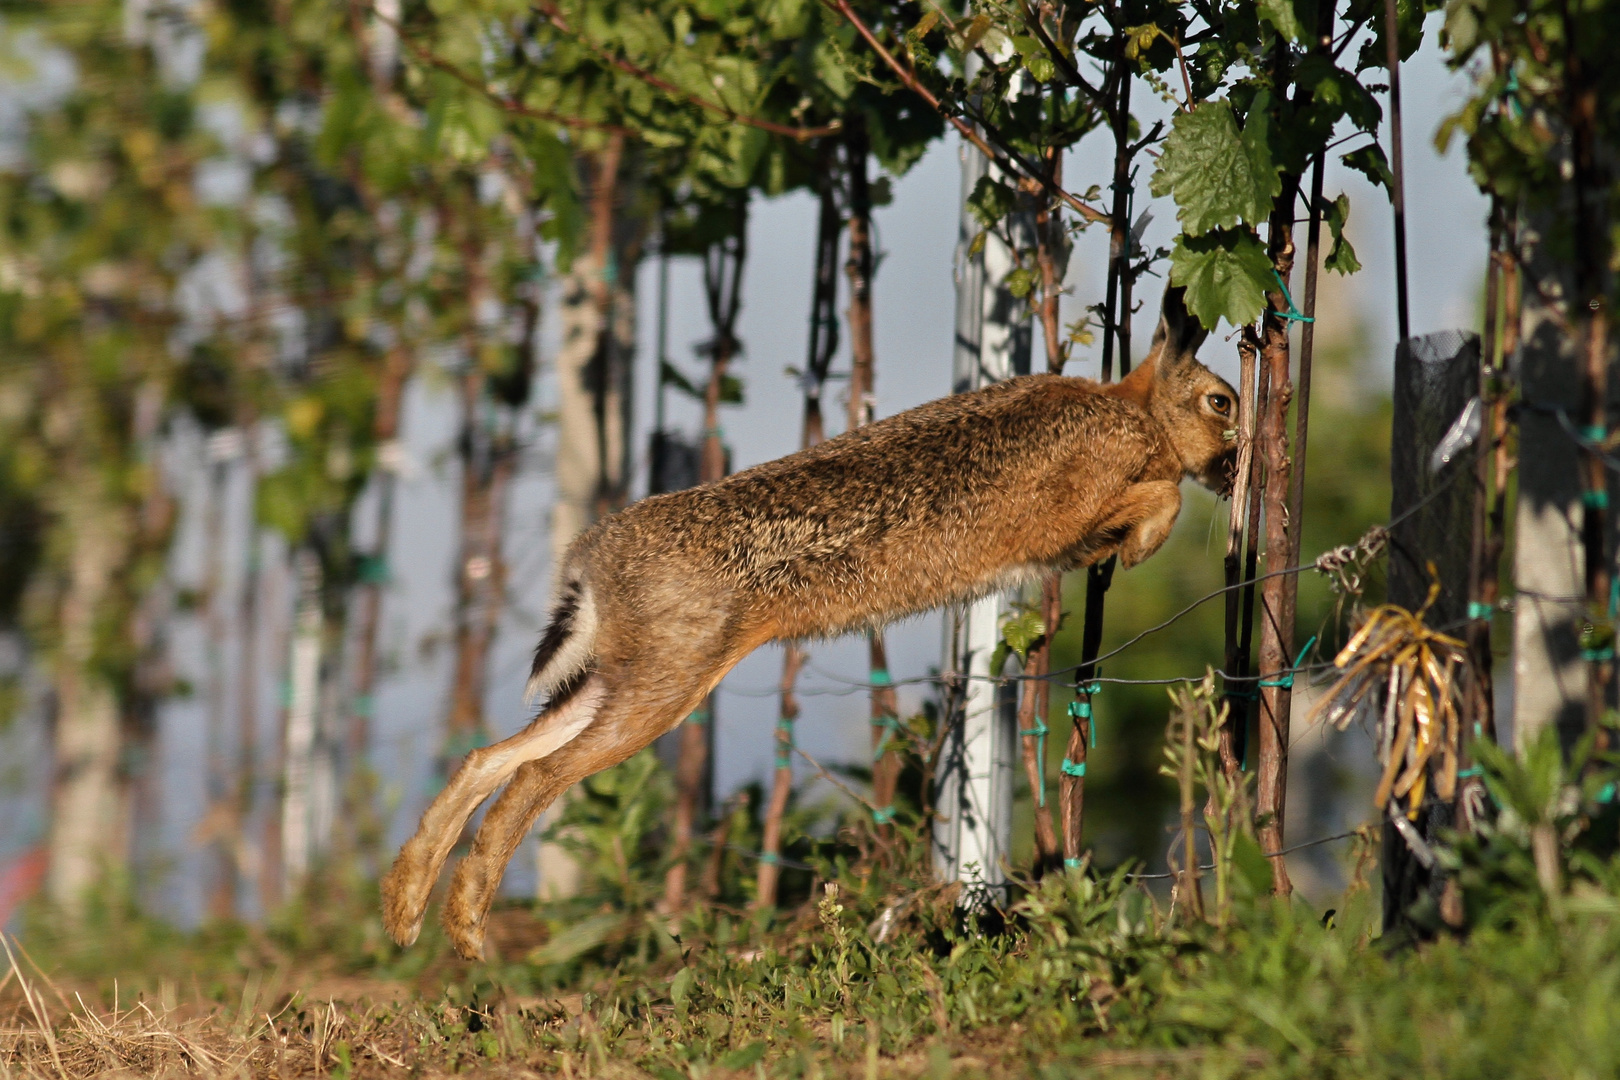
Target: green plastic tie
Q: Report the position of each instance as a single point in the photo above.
(365, 705)
(891, 726)
(1596, 500)
(1071, 769)
(1286, 682)
(1478, 610)
(372, 570)
(769, 857)
(1071, 864)
(1293, 314)
(1608, 793)
(463, 743)
(1472, 770)
(1081, 710)
(1039, 731)
(784, 743)
(1598, 656)
(883, 815)
(698, 717)
(880, 677)
(1595, 433)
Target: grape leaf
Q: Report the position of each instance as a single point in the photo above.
(1342, 259)
(1019, 633)
(991, 201)
(1020, 282)
(1226, 274)
(1370, 162)
(1281, 15)
(1218, 176)
(1335, 92)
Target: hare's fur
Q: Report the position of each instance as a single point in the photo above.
(957, 499)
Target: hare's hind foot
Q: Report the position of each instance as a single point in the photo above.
(405, 891)
(410, 882)
(621, 729)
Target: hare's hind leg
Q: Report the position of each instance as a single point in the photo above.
(405, 890)
(624, 725)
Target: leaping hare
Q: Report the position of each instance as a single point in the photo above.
(956, 499)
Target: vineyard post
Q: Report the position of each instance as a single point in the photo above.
(374, 568)
(973, 794)
(299, 722)
(1282, 481)
(1549, 679)
(862, 383)
(1485, 550)
(1276, 617)
(1592, 265)
(1051, 256)
(722, 285)
(488, 463)
(823, 345)
(588, 459)
(1116, 329)
(247, 673)
(1436, 376)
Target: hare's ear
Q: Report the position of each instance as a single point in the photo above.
(1179, 332)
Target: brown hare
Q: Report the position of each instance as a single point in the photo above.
(953, 500)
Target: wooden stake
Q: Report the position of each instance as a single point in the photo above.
(722, 281)
(823, 346)
(1276, 612)
(1117, 329)
(862, 383)
(1034, 704)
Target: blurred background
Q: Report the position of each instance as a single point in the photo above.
(215, 504)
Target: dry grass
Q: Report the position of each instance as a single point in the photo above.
(49, 1031)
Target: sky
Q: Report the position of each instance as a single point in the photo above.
(914, 301)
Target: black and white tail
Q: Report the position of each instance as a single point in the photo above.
(568, 644)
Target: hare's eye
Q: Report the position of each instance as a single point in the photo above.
(1220, 403)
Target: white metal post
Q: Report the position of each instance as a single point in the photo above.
(976, 773)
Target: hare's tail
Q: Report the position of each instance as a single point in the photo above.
(568, 644)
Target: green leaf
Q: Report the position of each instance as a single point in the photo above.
(1021, 282)
(747, 1057)
(680, 987)
(1254, 870)
(1335, 92)
(975, 32)
(1369, 160)
(670, 375)
(991, 201)
(1342, 259)
(1281, 15)
(1218, 175)
(1226, 275)
(1021, 631)
(580, 939)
